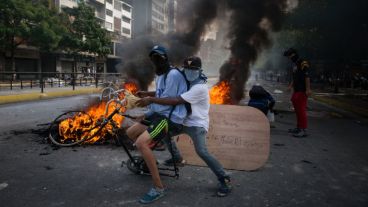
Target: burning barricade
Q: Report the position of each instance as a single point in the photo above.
(96, 124)
(220, 93)
(101, 121)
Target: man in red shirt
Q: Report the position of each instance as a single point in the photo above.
(301, 90)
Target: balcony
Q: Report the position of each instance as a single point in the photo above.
(98, 1)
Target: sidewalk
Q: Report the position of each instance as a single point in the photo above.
(21, 95)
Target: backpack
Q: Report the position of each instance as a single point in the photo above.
(187, 105)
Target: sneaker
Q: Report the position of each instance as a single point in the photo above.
(178, 162)
(224, 187)
(300, 133)
(292, 131)
(152, 195)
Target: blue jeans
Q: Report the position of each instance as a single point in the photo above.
(198, 135)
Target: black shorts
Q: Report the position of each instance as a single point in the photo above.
(159, 126)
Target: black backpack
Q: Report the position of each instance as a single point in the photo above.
(187, 105)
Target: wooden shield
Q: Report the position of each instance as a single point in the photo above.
(239, 137)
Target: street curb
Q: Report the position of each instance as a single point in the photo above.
(346, 108)
(6, 99)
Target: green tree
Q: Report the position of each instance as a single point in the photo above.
(28, 22)
(84, 34)
(49, 30)
(15, 25)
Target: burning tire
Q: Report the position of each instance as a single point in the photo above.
(107, 94)
(55, 136)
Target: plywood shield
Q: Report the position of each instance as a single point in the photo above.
(239, 137)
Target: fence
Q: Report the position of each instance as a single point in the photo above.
(42, 80)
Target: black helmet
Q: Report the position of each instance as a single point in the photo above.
(289, 52)
(193, 62)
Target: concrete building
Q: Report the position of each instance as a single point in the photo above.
(150, 17)
(172, 14)
(116, 17)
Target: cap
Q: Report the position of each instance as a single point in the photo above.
(158, 49)
(193, 62)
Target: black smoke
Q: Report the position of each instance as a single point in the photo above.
(193, 17)
(249, 25)
(136, 64)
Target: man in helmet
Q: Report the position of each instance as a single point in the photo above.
(169, 83)
(301, 90)
(197, 122)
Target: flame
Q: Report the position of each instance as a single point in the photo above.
(131, 87)
(84, 125)
(220, 93)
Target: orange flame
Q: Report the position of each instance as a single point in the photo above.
(220, 93)
(131, 87)
(86, 124)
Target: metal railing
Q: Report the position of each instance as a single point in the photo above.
(43, 80)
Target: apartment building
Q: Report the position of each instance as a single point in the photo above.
(172, 14)
(116, 17)
(150, 17)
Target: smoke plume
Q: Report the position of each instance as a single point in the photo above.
(193, 21)
(136, 64)
(193, 17)
(249, 25)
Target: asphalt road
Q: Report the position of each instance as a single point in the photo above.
(328, 168)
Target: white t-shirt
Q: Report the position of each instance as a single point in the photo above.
(199, 99)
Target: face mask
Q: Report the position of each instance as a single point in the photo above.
(192, 74)
(159, 63)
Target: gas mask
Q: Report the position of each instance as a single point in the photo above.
(191, 74)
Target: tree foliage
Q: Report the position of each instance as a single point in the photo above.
(30, 22)
(84, 32)
(16, 20)
(49, 30)
(35, 23)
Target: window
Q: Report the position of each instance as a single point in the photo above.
(126, 31)
(108, 12)
(126, 19)
(126, 8)
(108, 25)
(158, 7)
(117, 5)
(157, 25)
(109, 1)
(157, 15)
(128, 1)
(117, 25)
(111, 47)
